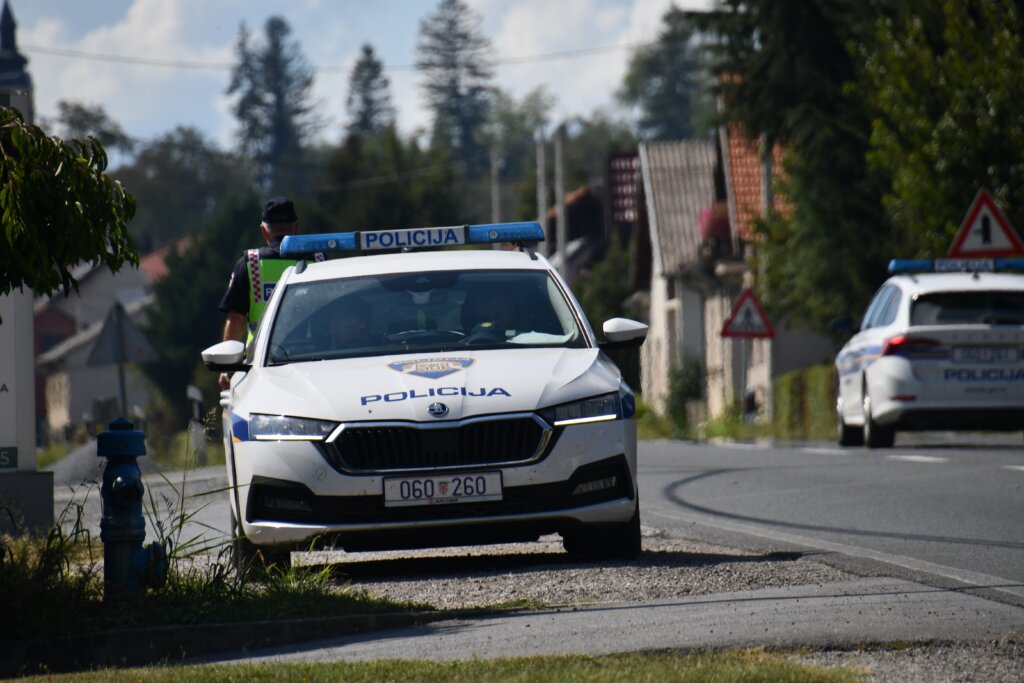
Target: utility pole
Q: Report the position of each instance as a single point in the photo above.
(767, 202)
(495, 187)
(562, 229)
(542, 185)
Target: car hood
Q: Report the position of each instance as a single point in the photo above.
(404, 387)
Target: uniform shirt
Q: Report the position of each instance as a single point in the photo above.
(236, 298)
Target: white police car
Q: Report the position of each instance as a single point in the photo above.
(429, 398)
(941, 347)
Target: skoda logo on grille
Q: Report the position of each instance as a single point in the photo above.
(437, 409)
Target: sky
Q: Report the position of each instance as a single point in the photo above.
(89, 51)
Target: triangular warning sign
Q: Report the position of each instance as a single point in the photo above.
(747, 318)
(120, 341)
(985, 232)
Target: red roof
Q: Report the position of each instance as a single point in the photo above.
(154, 264)
(745, 180)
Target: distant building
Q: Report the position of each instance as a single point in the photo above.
(69, 392)
(700, 199)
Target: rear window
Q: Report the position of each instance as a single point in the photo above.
(968, 308)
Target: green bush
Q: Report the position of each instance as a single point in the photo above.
(805, 403)
(685, 383)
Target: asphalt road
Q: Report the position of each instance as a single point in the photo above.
(926, 519)
(946, 511)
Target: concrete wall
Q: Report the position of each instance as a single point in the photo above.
(654, 354)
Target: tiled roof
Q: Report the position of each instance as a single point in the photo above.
(743, 167)
(154, 264)
(679, 183)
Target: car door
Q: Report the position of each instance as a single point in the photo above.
(863, 349)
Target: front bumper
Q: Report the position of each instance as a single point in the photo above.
(290, 493)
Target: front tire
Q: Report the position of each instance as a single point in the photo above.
(845, 434)
(606, 541)
(248, 557)
(875, 435)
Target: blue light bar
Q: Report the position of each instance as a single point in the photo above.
(955, 265)
(1010, 264)
(298, 246)
(527, 231)
(906, 265)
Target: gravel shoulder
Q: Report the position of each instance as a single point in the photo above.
(542, 574)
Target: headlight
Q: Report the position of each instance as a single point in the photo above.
(597, 409)
(284, 428)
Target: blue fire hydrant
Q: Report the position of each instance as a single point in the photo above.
(128, 568)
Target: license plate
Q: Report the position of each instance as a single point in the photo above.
(443, 489)
(986, 354)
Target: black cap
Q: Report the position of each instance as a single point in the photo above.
(279, 210)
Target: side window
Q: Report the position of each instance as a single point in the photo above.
(876, 305)
(888, 312)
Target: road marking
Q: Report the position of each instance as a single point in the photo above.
(1018, 468)
(997, 584)
(829, 451)
(916, 458)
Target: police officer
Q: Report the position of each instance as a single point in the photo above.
(256, 273)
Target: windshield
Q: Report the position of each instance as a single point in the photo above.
(969, 308)
(421, 312)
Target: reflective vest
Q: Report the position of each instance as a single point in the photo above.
(263, 275)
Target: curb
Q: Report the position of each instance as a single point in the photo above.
(139, 647)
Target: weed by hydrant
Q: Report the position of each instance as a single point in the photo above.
(52, 585)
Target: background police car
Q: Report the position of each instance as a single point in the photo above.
(936, 350)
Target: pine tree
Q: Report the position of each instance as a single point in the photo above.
(454, 58)
(273, 86)
(369, 99)
(662, 80)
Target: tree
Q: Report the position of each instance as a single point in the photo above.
(272, 84)
(77, 120)
(369, 99)
(937, 145)
(184, 318)
(179, 181)
(511, 128)
(455, 61)
(603, 288)
(58, 208)
(787, 76)
(663, 79)
(384, 182)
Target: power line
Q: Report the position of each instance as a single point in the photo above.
(223, 66)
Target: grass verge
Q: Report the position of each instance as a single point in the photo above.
(718, 667)
(52, 586)
(651, 426)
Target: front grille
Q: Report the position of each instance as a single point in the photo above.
(282, 501)
(389, 446)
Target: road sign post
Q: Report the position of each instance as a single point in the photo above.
(748, 321)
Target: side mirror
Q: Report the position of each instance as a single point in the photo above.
(622, 333)
(227, 356)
